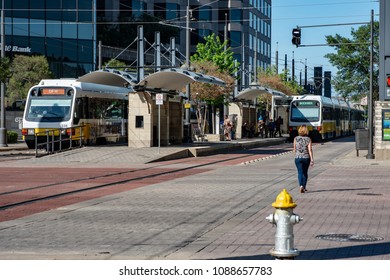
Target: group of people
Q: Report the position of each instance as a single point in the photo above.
(266, 128)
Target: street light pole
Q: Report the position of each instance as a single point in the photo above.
(3, 129)
(187, 130)
(370, 154)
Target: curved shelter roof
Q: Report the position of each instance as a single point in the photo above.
(172, 80)
(109, 77)
(176, 79)
(250, 94)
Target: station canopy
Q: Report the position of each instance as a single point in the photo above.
(170, 80)
(250, 94)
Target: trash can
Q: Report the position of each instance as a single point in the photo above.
(361, 140)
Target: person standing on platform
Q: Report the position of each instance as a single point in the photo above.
(227, 128)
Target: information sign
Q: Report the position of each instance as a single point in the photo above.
(386, 125)
(159, 99)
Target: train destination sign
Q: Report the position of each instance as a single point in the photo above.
(307, 103)
(53, 91)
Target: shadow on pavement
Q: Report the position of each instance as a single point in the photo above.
(348, 252)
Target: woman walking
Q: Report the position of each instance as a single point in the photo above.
(303, 156)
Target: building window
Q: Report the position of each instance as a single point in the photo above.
(37, 27)
(69, 30)
(172, 11)
(53, 29)
(205, 13)
(20, 27)
(235, 39)
(235, 15)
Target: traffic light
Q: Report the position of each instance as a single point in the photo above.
(296, 39)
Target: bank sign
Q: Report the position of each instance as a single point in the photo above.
(18, 49)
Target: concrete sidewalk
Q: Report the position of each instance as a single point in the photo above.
(220, 214)
(121, 154)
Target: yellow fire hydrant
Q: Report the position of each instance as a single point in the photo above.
(284, 219)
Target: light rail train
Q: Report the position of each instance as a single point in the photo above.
(326, 118)
(59, 105)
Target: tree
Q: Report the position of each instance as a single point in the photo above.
(269, 78)
(352, 59)
(212, 59)
(5, 71)
(26, 71)
(206, 95)
(214, 50)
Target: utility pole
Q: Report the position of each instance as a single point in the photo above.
(293, 68)
(277, 59)
(285, 66)
(226, 106)
(187, 126)
(370, 154)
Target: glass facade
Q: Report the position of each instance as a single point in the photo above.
(61, 30)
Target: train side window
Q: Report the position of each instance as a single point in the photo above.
(326, 114)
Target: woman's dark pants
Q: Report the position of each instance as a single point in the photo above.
(302, 165)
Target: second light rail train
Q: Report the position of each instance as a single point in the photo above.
(326, 118)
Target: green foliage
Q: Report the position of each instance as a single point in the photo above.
(352, 59)
(5, 71)
(113, 63)
(270, 78)
(12, 136)
(214, 50)
(26, 71)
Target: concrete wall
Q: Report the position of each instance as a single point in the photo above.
(140, 105)
(143, 105)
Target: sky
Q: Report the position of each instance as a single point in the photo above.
(288, 14)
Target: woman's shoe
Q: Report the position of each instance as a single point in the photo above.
(302, 189)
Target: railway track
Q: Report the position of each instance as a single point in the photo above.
(32, 190)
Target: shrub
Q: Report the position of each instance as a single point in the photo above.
(12, 136)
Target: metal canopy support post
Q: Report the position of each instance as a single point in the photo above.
(235, 90)
(3, 129)
(157, 53)
(173, 52)
(140, 54)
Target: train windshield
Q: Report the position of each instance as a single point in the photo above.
(46, 109)
(305, 111)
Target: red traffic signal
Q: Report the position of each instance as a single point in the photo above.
(296, 39)
(388, 80)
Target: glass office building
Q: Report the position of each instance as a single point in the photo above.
(65, 31)
(61, 30)
(248, 23)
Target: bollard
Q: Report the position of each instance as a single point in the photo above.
(284, 219)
